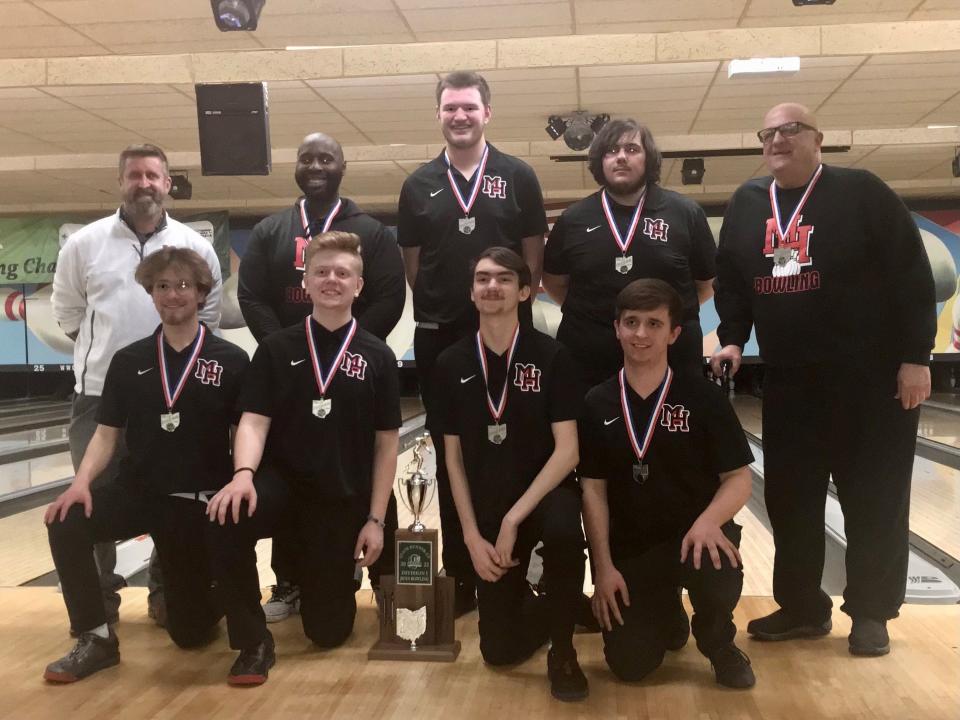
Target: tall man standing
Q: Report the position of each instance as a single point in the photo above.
(509, 419)
(471, 197)
(99, 304)
(812, 257)
(272, 296)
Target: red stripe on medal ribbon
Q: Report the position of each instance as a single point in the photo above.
(197, 346)
(624, 245)
(497, 410)
(326, 223)
(324, 383)
(638, 450)
(775, 207)
(478, 178)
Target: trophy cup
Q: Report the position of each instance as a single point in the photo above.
(416, 619)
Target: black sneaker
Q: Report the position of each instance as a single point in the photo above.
(869, 637)
(732, 667)
(781, 626)
(464, 598)
(567, 681)
(253, 665)
(679, 631)
(284, 601)
(90, 654)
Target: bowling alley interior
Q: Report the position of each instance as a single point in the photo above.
(228, 89)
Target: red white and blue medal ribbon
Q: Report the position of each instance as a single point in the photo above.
(326, 223)
(467, 205)
(170, 420)
(786, 232)
(640, 448)
(323, 406)
(497, 432)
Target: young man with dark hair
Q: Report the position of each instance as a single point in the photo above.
(471, 197)
(632, 228)
(508, 418)
(272, 296)
(100, 306)
(316, 451)
(810, 257)
(663, 465)
(173, 397)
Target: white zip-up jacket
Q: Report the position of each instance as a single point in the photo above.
(95, 294)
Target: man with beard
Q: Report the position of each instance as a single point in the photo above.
(99, 304)
(272, 297)
(841, 390)
(469, 198)
(632, 228)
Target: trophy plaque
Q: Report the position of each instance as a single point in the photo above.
(416, 619)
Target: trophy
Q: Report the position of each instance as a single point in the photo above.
(416, 619)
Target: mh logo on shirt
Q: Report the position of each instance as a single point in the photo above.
(494, 186)
(353, 365)
(675, 418)
(655, 229)
(526, 377)
(208, 372)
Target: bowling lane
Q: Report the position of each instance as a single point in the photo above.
(32, 439)
(942, 426)
(934, 494)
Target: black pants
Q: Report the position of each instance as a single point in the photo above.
(842, 421)
(122, 511)
(284, 554)
(598, 355)
(513, 624)
(636, 648)
(325, 532)
(428, 344)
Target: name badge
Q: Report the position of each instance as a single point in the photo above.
(322, 407)
(170, 421)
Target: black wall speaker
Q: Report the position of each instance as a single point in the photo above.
(234, 127)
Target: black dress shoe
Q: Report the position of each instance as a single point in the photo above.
(90, 654)
(253, 665)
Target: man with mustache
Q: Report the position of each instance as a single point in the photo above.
(98, 303)
(272, 296)
(469, 198)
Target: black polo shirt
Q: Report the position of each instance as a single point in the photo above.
(697, 437)
(333, 456)
(542, 389)
(673, 243)
(508, 208)
(195, 456)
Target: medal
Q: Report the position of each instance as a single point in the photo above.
(623, 264)
(170, 420)
(326, 223)
(467, 224)
(497, 432)
(324, 406)
(783, 233)
(641, 470)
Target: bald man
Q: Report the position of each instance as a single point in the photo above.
(272, 296)
(828, 266)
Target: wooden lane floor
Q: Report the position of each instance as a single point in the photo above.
(942, 426)
(934, 495)
(808, 679)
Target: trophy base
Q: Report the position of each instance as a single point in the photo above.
(385, 650)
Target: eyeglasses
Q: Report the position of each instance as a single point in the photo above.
(628, 148)
(178, 286)
(786, 130)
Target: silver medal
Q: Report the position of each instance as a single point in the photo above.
(170, 421)
(623, 264)
(497, 433)
(641, 472)
(322, 407)
(781, 256)
(467, 225)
